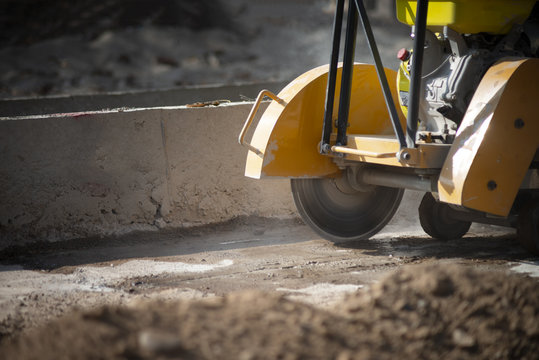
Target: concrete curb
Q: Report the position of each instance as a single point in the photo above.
(98, 173)
(135, 99)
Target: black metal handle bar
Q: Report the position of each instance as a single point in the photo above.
(355, 8)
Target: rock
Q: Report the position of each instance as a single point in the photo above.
(157, 342)
(463, 339)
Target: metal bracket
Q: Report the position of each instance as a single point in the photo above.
(409, 156)
(347, 150)
(457, 43)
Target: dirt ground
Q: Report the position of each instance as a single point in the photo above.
(267, 289)
(88, 47)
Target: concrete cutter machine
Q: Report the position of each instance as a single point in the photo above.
(458, 120)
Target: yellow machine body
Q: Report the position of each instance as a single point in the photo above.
(470, 141)
(469, 16)
(287, 137)
(496, 141)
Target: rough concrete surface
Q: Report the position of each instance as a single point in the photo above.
(98, 173)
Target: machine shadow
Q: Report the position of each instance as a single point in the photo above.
(243, 233)
(239, 233)
(492, 247)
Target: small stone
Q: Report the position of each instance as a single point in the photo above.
(247, 355)
(159, 342)
(345, 355)
(463, 339)
(443, 286)
(160, 223)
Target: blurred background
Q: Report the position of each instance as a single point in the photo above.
(66, 47)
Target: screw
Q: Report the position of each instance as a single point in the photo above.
(406, 156)
(491, 185)
(519, 123)
(326, 148)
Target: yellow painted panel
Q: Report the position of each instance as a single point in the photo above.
(469, 16)
(289, 136)
(403, 87)
(496, 140)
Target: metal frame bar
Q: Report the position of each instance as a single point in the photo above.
(332, 77)
(397, 128)
(398, 179)
(356, 9)
(417, 64)
(347, 72)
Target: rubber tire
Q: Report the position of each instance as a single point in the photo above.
(344, 216)
(528, 226)
(434, 219)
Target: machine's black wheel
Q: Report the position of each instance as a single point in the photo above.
(435, 219)
(337, 212)
(528, 226)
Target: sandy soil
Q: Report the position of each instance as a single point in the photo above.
(423, 312)
(262, 288)
(111, 48)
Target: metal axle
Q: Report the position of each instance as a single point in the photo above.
(397, 179)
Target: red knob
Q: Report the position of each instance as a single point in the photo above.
(403, 54)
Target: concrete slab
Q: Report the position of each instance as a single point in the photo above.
(98, 173)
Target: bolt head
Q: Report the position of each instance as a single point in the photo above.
(519, 123)
(405, 156)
